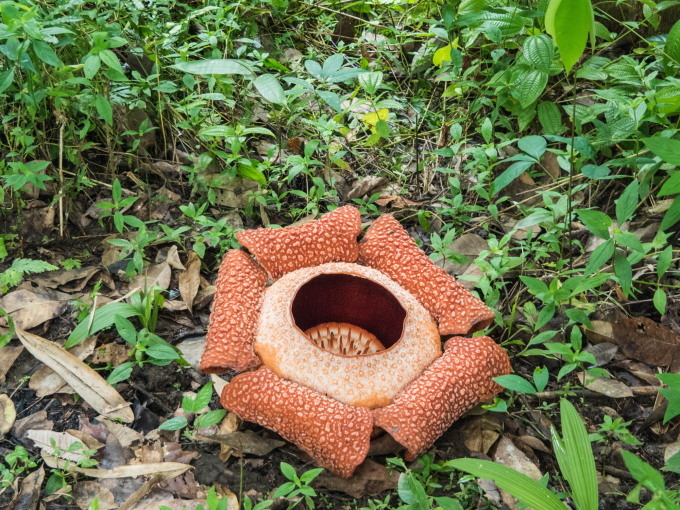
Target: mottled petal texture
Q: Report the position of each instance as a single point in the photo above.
(388, 248)
(240, 291)
(332, 238)
(453, 384)
(336, 435)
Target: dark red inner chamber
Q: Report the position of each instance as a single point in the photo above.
(351, 299)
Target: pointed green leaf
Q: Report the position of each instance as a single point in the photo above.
(528, 86)
(214, 66)
(538, 50)
(270, 88)
(569, 22)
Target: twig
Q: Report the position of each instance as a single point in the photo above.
(552, 395)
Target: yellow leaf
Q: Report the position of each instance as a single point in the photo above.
(373, 118)
(444, 54)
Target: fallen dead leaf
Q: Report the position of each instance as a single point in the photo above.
(8, 355)
(32, 421)
(84, 380)
(509, 455)
(166, 469)
(155, 275)
(366, 186)
(218, 384)
(481, 432)
(190, 279)
(30, 310)
(640, 338)
(369, 479)
(125, 435)
(171, 256)
(610, 387)
(112, 353)
(467, 245)
(245, 441)
(603, 352)
(72, 280)
(671, 449)
(56, 444)
(535, 443)
(29, 494)
(396, 202)
(86, 491)
(8, 414)
(177, 504)
(192, 349)
(46, 381)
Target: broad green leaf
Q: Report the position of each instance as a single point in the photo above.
(538, 50)
(45, 53)
(510, 174)
(596, 222)
(550, 117)
(6, 79)
(104, 108)
(668, 149)
(519, 485)
(91, 65)
(110, 59)
(672, 394)
(529, 85)
(214, 66)
(371, 81)
(600, 256)
(643, 472)
(575, 458)
(627, 202)
(660, 300)
(176, 423)
(533, 145)
(270, 88)
(120, 373)
(515, 383)
(663, 262)
(672, 216)
(104, 317)
(673, 42)
(288, 471)
(569, 22)
(671, 186)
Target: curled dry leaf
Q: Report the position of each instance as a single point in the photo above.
(7, 414)
(30, 310)
(29, 493)
(609, 387)
(190, 279)
(640, 338)
(245, 441)
(369, 479)
(86, 491)
(366, 186)
(164, 469)
(85, 381)
(8, 355)
(481, 432)
(396, 202)
(46, 381)
(157, 275)
(509, 455)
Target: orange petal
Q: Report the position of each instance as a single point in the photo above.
(388, 248)
(336, 435)
(331, 238)
(456, 382)
(240, 290)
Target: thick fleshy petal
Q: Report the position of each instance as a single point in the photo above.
(453, 384)
(240, 290)
(336, 435)
(331, 238)
(388, 248)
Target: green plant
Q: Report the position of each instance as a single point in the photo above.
(16, 463)
(195, 406)
(652, 480)
(614, 430)
(574, 456)
(672, 394)
(20, 268)
(297, 486)
(116, 207)
(62, 477)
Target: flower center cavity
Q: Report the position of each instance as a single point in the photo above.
(347, 314)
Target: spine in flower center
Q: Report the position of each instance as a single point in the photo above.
(343, 338)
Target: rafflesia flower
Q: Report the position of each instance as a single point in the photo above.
(347, 340)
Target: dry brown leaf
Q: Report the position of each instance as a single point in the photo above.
(603, 352)
(29, 494)
(125, 435)
(218, 384)
(640, 338)
(671, 449)
(366, 186)
(7, 414)
(171, 256)
(480, 432)
(30, 310)
(62, 441)
(509, 455)
(192, 349)
(85, 381)
(32, 421)
(396, 202)
(610, 387)
(46, 381)
(535, 443)
(165, 469)
(86, 491)
(8, 355)
(369, 479)
(468, 245)
(72, 280)
(155, 275)
(190, 279)
(112, 353)
(245, 441)
(176, 504)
